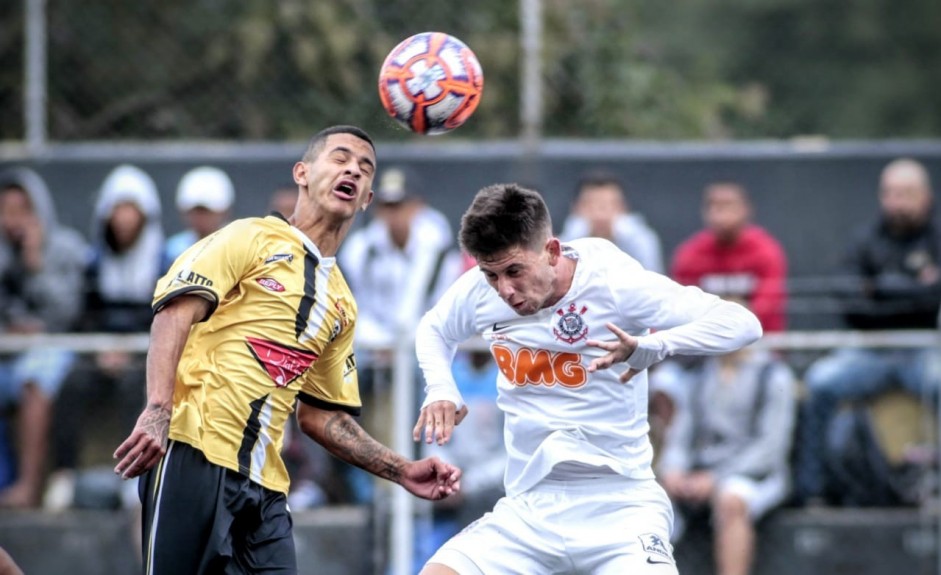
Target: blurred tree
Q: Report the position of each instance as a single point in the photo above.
(866, 70)
(700, 69)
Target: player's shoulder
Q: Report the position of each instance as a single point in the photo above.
(598, 254)
(254, 227)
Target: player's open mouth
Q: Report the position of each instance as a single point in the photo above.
(345, 189)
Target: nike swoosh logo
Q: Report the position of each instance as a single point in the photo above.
(652, 562)
(499, 327)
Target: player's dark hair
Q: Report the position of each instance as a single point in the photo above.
(317, 142)
(504, 216)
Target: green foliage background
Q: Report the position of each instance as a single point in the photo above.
(697, 69)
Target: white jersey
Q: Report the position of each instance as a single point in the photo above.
(555, 411)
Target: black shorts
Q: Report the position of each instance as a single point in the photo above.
(202, 518)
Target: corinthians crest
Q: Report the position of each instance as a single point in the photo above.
(571, 326)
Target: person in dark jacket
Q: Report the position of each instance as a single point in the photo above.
(41, 291)
(895, 268)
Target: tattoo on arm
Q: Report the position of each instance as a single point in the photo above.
(348, 441)
(155, 422)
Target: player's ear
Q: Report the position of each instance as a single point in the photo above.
(554, 248)
(368, 200)
(300, 174)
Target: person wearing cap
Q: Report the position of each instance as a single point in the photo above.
(204, 199)
(395, 265)
(394, 262)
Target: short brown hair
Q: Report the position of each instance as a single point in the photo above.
(504, 216)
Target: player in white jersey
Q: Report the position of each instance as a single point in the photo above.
(580, 491)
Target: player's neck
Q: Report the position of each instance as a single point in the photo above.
(565, 274)
(327, 235)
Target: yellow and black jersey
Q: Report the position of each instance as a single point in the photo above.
(280, 328)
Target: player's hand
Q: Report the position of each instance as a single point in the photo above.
(431, 478)
(618, 350)
(437, 421)
(146, 444)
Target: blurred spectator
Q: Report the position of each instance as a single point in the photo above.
(393, 263)
(478, 450)
(128, 249)
(733, 254)
(41, 290)
(895, 266)
(128, 243)
(204, 199)
(283, 200)
(726, 452)
(394, 267)
(601, 210)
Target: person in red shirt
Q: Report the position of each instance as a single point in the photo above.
(733, 255)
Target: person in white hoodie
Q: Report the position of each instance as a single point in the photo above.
(127, 250)
(128, 245)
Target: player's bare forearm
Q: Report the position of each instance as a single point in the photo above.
(339, 433)
(147, 443)
(168, 334)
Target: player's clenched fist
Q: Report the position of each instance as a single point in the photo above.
(437, 420)
(431, 478)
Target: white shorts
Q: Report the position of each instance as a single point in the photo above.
(608, 525)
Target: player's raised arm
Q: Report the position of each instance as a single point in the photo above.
(168, 333)
(338, 432)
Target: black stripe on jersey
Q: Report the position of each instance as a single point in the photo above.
(310, 290)
(250, 436)
(326, 405)
(202, 292)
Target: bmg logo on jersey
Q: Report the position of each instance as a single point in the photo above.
(528, 366)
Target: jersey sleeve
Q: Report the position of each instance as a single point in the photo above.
(687, 320)
(441, 330)
(332, 381)
(211, 267)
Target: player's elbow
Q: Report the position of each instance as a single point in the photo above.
(311, 421)
(751, 330)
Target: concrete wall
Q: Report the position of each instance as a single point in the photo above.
(332, 541)
(338, 541)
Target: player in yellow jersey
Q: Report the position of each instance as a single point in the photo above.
(248, 320)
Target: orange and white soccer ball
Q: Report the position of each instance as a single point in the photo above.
(431, 83)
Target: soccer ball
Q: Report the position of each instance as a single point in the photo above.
(431, 83)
